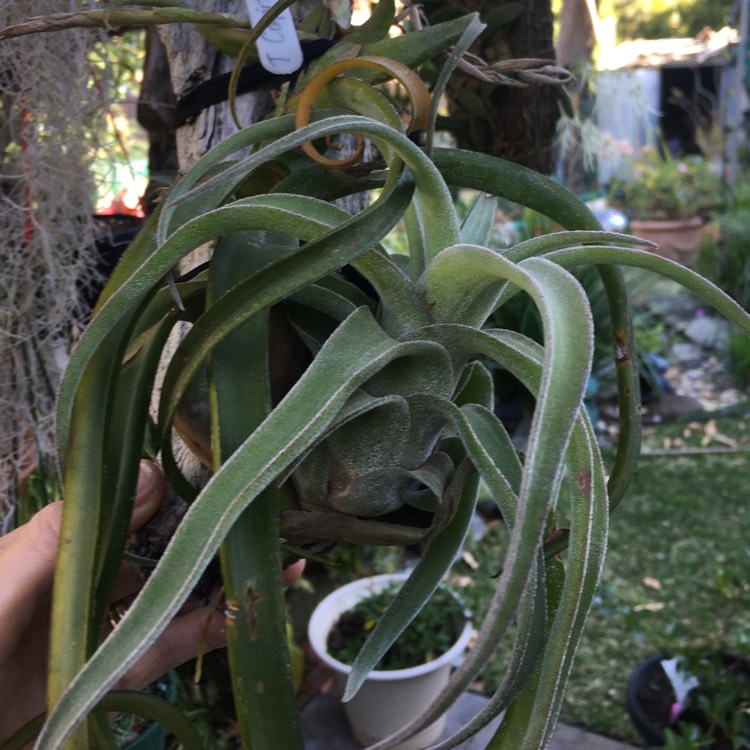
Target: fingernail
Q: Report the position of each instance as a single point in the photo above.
(149, 495)
(149, 479)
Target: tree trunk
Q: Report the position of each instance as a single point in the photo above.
(524, 119)
(575, 40)
(192, 60)
(514, 123)
(156, 113)
(575, 45)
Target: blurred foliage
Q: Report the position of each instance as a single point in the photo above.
(40, 488)
(663, 187)
(725, 261)
(660, 19)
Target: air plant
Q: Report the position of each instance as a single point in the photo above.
(378, 434)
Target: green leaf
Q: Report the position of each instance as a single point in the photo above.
(567, 369)
(535, 191)
(690, 280)
(366, 463)
(514, 183)
(402, 307)
(417, 47)
(431, 189)
(473, 29)
(475, 386)
(377, 26)
(529, 724)
(421, 584)
(548, 243)
(270, 285)
(480, 221)
(251, 569)
(524, 358)
(323, 299)
(146, 705)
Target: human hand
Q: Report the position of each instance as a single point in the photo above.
(27, 563)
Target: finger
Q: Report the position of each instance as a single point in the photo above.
(148, 497)
(149, 494)
(130, 581)
(200, 629)
(27, 562)
(29, 552)
(190, 633)
(293, 572)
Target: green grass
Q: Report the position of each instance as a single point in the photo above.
(676, 570)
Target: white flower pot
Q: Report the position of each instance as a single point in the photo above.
(388, 700)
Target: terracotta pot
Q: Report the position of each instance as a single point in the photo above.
(388, 700)
(678, 239)
(649, 676)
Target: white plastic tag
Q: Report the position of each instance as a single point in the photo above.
(682, 683)
(278, 47)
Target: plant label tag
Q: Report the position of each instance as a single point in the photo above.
(278, 47)
(682, 683)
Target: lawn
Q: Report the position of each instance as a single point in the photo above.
(676, 570)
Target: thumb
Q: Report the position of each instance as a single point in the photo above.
(149, 494)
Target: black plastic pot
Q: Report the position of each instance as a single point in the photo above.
(122, 231)
(648, 676)
(651, 697)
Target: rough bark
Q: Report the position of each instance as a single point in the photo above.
(575, 40)
(513, 123)
(156, 108)
(193, 60)
(524, 119)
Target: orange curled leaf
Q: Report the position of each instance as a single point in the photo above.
(418, 92)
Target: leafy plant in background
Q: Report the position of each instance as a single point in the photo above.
(724, 260)
(384, 432)
(431, 633)
(716, 714)
(40, 488)
(664, 187)
(719, 704)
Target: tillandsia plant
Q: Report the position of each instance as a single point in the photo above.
(380, 435)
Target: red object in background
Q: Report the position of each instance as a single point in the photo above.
(120, 207)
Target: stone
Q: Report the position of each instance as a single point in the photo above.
(673, 405)
(688, 355)
(709, 332)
